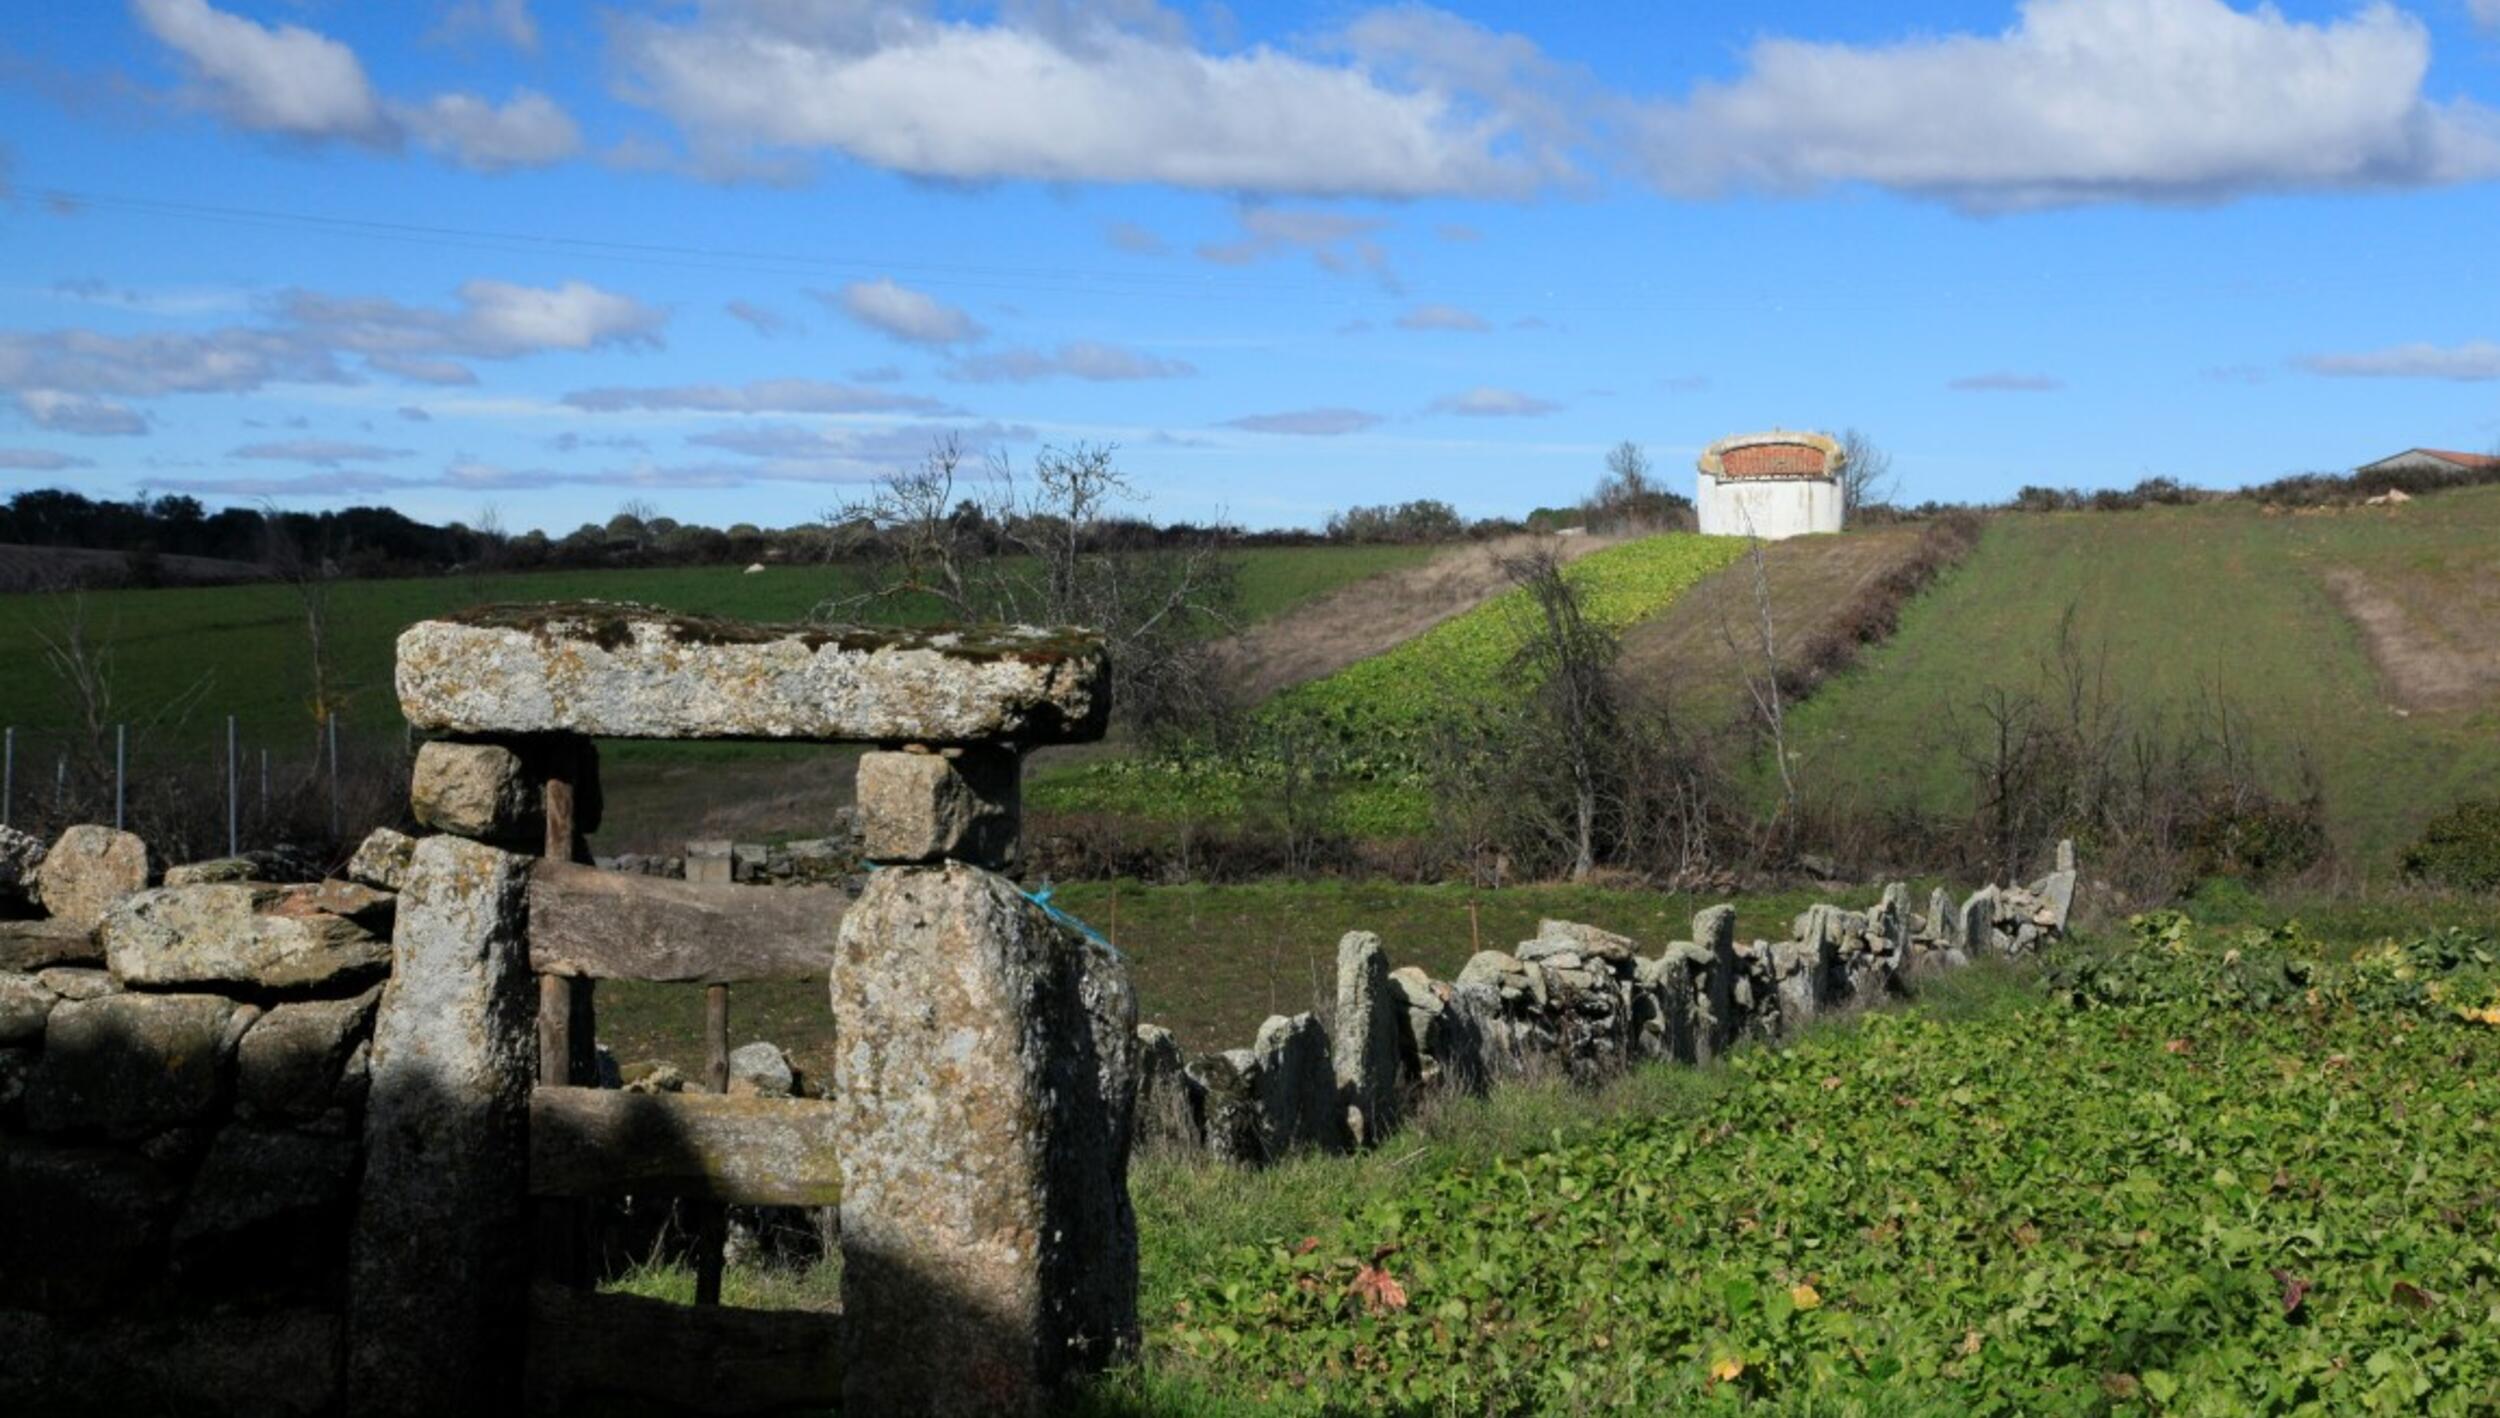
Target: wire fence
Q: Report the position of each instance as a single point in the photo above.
(198, 791)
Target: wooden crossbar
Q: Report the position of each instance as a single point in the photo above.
(626, 1353)
(610, 926)
(751, 1151)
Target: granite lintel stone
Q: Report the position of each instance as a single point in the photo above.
(616, 670)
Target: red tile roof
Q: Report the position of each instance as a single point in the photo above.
(2464, 460)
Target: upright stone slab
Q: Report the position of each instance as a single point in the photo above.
(1168, 1107)
(1297, 1087)
(987, 1251)
(440, 1261)
(709, 862)
(1978, 929)
(625, 671)
(1228, 1090)
(1370, 1025)
(1714, 931)
(1944, 924)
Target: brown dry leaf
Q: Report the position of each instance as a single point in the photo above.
(1971, 1342)
(1380, 1290)
(1727, 1370)
(2413, 1297)
(2175, 1046)
(2027, 1235)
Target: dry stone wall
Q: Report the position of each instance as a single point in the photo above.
(184, 1062)
(1576, 1001)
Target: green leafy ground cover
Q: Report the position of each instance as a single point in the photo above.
(1380, 720)
(2211, 1171)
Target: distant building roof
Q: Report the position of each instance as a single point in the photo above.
(1773, 455)
(2471, 462)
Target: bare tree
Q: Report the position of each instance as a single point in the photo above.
(307, 571)
(1755, 649)
(1630, 497)
(1866, 475)
(1046, 549)
(1568, 664)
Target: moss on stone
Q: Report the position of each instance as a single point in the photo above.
(609, 625)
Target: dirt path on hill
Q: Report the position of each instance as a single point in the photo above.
(1356, 622)
(2434, 651)
(1813, 580)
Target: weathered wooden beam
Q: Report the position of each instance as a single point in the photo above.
(611, 926)
(752, 1151)
(629, 1354)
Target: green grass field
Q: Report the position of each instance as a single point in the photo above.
(247, 642)
(2183, 599)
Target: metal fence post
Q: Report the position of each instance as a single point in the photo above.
(334, 776)
(121, 772)
(8, 771)
(234, 839)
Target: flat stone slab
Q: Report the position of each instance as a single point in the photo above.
(615, 670)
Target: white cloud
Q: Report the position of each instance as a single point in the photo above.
(1051, 94)
(2006, 382)
(271, 79)
(40, 460)
(1141, 241)
(507, 20)
(1442, 317)
(297, 83)
(80, 414)
(527, 130)
(2485, 12)
(1335, 241)
(889, 446)
(2474, 360)
(1488, 402)
(2084, 101)
(914, 317)
(762, 320)
(320, 452)
(493, 320)
(764, 396)
(1309, 423)
(418, 369)
(216, 361)
(1077, 359)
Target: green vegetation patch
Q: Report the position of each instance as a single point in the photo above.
(1379, 720)
(2264, 1186)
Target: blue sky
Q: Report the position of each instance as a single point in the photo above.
(732, 257)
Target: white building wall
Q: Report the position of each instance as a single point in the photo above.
(1769, 508)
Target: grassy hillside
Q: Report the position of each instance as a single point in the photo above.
(1380, 717)
(2227, 597)
(247, 642)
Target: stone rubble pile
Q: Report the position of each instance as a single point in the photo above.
(1577, 1001)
